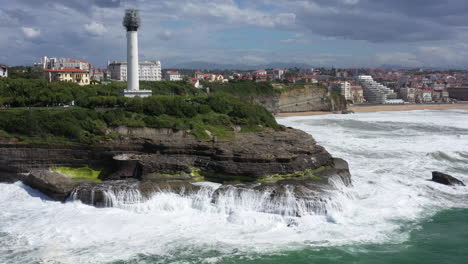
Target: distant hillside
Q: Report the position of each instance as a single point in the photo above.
(219, 66)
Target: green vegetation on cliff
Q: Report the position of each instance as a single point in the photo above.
(242, 88)
(32, 113)
(37, 92)
(205, 116)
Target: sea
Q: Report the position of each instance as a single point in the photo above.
(392, 213)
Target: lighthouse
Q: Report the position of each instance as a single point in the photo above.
(131, 23)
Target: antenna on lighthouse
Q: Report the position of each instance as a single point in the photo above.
(132, 19)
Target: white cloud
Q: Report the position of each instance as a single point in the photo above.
(295, 41)
(31, 32)
(95, 28)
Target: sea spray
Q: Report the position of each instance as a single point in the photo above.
(292, 200)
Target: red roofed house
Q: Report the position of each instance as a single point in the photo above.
(199, 75)
(196, 82)
(3, 71)
(173, 76)
(278, 73)
(99, 74)
(260, 72)
(78, 76)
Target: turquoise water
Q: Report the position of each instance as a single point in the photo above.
(440, 239)
(391, 214)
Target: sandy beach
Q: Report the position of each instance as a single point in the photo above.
(383, 108)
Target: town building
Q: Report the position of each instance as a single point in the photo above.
(260, 72)
(376, 93)
(211, 77)
(308, 79)
(357, 95)
(278, 73)
(423, 96)
(196, 83)
(173, 76)
(63, 63)
(460, 94)
(99, 74)
(78, 76)
(408, 94)
(147, 71)
(3, 71)
(199, 75)
(344, 88)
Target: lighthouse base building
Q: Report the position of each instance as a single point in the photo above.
(136, 93)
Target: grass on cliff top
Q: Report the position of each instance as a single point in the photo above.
(85, 174)
(217, 114)
(242, 88)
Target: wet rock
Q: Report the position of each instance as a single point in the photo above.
(106, 194)
(446, 179)
(54, 185)
(10, 177)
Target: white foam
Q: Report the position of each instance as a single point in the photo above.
(390, 171)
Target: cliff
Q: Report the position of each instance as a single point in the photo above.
(156, 159)
(300, 98)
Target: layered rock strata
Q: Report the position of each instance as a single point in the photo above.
(152, 160)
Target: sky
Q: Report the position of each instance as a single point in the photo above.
(322, 33)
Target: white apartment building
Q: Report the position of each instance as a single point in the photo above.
(408, 94)
(374, 92)
(63, 63)
(147, 71)
(173, 76)
(344, 88)
(3, 71)
(278, 73)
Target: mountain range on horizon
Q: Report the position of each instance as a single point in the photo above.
(204, 65)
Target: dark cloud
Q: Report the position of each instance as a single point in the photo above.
(380, 21)
(15, 17)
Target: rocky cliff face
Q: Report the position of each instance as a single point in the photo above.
(308, 98)
(153, 159)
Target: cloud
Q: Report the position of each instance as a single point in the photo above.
(379, 21)
(295, 41)
(95, 29)
(416, 32)
(31, 32)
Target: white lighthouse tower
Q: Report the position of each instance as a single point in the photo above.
(132, 22)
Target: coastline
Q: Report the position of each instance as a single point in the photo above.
(385, 108)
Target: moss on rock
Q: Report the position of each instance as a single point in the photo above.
(306, 174)
(84, 174)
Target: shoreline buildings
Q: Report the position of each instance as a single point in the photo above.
(376, 93)
(344, 88)
(62, 63)
(147, 70)
(132, 23)
(81, 77)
